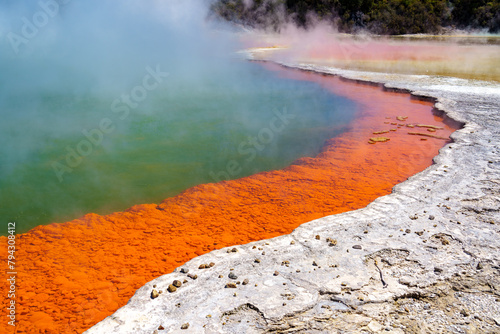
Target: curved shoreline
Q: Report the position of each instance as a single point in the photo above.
(436, 234)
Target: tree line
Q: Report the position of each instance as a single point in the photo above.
(391, 17)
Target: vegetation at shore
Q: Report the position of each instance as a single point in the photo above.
(391, 17)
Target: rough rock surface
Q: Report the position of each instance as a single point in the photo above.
(424, 259)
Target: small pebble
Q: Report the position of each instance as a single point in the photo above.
(232, 275)
(318, 237)
(154, 294)
(431, 217)
(171, 288)
(211, 264)
(357, 247)
(177, 283)
(161, 328)
(230, 286)
(315, 264)
(256, 261)
(276, 273)
(408, 230)
(185, 326)
(292, 242)
(245, 281)
(191, 276)
(184, 270)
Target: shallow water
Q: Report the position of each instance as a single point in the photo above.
(240, 121)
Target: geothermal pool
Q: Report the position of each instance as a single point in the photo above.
(103, 111)
(69, 154)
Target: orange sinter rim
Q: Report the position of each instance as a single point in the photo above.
(72, 275)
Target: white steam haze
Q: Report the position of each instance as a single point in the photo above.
(63, 63)
(67, 67)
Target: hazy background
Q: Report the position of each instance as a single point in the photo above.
(65, 78)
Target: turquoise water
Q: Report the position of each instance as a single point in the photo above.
(248, 120)
(106, 106)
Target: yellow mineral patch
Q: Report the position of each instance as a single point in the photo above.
(380, 132)
(374, 140)
(429, 126)
(431, 130)
(402, 118)
(427, 135)
(393, 129)
(410, 125)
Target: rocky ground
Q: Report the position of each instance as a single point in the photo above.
(424, 259)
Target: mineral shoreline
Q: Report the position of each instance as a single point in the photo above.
(422, 259)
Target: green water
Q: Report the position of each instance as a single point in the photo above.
(185, 132)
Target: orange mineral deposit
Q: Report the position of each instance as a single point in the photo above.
(72, 275)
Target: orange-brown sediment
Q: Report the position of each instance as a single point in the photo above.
(72, 275)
